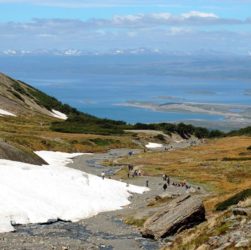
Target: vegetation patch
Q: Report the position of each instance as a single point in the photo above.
(104, 142)
(184, 130)
(135, 221)
(233, 200)
(236, 159)
(88, 125)
(18, 88)
(243, 131)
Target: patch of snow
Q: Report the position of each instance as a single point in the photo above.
(179, 141)
(37, 194)
(59, 115)
(4, 112)
(152, 145)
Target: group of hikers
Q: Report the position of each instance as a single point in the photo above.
(133, 172)
(175, 184)
(167, 181)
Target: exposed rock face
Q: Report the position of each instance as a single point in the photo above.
(15, 98)
(12, 153)
(181, 213)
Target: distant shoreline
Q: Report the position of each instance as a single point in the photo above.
(234, 116)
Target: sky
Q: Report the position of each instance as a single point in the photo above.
(185, 26)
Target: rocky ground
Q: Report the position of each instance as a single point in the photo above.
(104, 231)
(235, 229)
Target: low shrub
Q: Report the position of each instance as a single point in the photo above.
(233, 200)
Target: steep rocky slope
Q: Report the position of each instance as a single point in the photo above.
(19, 101)
(17, 98)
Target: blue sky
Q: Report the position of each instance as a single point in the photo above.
(103, 25)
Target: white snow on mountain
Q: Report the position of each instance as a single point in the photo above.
(4, 112)
(59, 115)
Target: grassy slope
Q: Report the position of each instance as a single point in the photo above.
(31, 130)
(204, 164)
(33, 133)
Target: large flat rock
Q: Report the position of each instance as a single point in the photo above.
(181, 213)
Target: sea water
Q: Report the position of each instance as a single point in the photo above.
(102, 85)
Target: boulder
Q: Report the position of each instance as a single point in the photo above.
(166, 195)
(9, 152)
(182, 213)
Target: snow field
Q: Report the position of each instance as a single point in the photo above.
(36, 194)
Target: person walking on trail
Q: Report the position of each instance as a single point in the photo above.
(130, 167)
(168, 181)
(164, 176)
(139, 173)
(165, 187)
(147, 183)
(130, 153)
(103, 175)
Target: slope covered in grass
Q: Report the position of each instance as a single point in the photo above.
(204, 164)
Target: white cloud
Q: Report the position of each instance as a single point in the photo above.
(154, 30)
(193, 18)
(199, 14)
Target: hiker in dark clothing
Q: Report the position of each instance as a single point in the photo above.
(165, 187)
(168, 181)
(164, 177)
(135, 173)
(130, 167)
(147, 183)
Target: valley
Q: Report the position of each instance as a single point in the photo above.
(209, 166)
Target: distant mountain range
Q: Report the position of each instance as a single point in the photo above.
(116, 51)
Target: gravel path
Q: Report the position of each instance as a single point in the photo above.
(104, 231)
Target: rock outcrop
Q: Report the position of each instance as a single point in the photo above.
(181, 213)
(9, 152)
